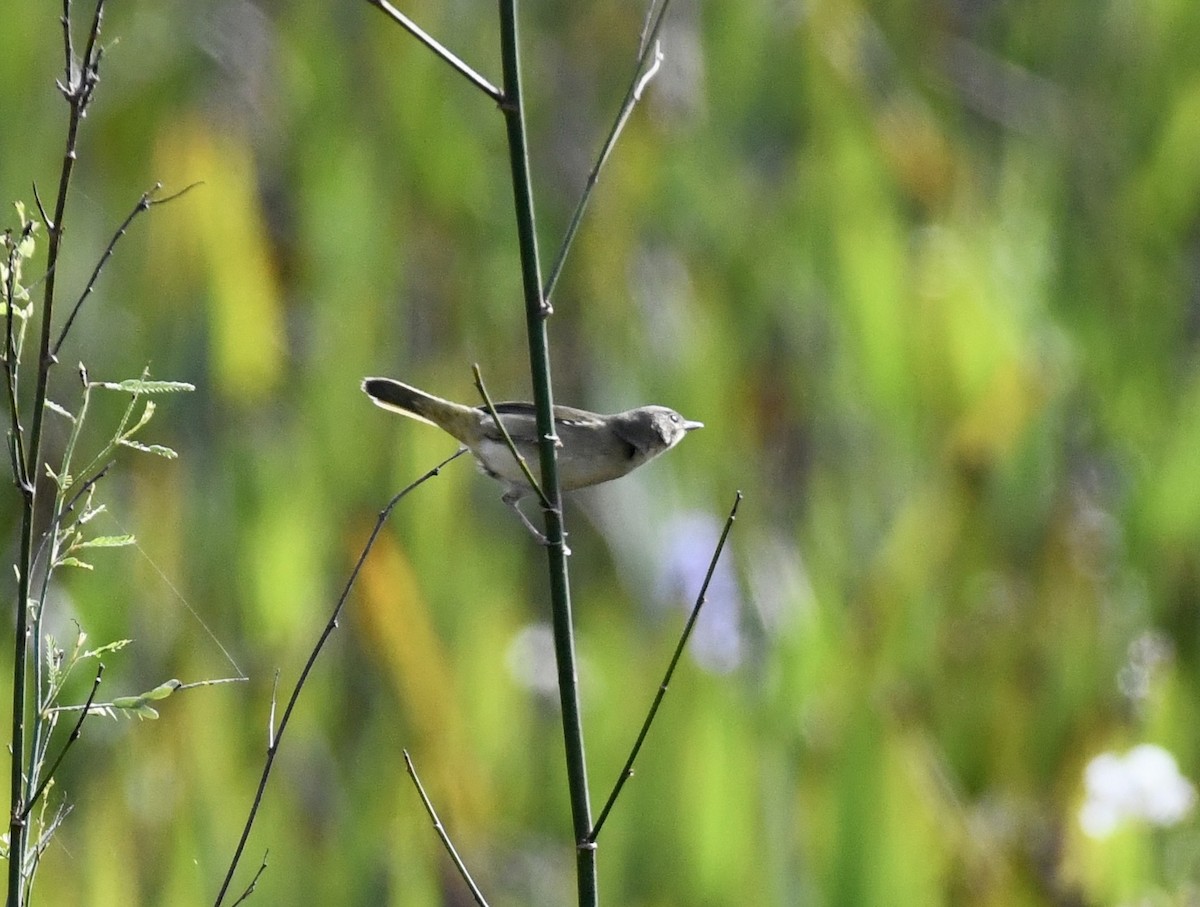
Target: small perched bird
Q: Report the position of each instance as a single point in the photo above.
(595, 448)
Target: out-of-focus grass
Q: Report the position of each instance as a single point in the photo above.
(926, 273)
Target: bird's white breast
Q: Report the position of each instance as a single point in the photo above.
(497, 460)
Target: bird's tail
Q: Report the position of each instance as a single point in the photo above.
(457, 420)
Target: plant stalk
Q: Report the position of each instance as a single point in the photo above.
(536, 314)
(79, 80)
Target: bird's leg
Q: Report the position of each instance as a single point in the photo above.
(513, 500)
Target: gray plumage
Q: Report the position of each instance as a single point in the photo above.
(595, 448)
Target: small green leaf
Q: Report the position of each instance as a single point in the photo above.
(139, 705)
(91, 513)
(136, 705)
(19, 293)
(147, 415)
(62, 411)
(142, 386)
(107, 541)
(75, 562)
(156, 449)
(107, 647)
(164, 689)
(25, 247)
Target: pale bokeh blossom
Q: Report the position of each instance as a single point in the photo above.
(1144, 784)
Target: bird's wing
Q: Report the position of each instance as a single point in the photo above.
(521, 419)
(575, 416)
(561, 413)
(512, 408)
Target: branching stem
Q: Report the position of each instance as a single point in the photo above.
(275, 735)
(443, 834)
(71, 740)
(78, 83)
(439, 50)
(536, 315)
(627, 771)
(648, 62)
(145, 203)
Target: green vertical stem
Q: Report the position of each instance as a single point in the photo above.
(79, 80)
(16, 822)
(17, 828)
(536, 314)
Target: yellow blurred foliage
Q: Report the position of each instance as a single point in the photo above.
(221, 239)
(398, 630)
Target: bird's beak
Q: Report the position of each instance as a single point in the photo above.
(692, 426)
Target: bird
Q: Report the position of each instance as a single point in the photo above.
(593, 447)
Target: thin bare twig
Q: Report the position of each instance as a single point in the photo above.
(17, 442)
(277, 737)
(521, 461)
(145, 203)
(48, 831)
(48, 537)
(274, 706)
(627, 771)
(214, 682)
(49, 776)
(262, 867)
(68, 42)
(439, 50)
(85, 488)
(41, 207)
(443, 834)
(649, 59)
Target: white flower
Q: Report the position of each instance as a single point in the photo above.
(1144, 784)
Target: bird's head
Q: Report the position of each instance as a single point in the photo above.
(654, 429)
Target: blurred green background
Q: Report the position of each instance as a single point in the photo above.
(928, 271)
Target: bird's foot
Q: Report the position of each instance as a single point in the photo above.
(533, 530)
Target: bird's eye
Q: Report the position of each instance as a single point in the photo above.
(675, 418)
